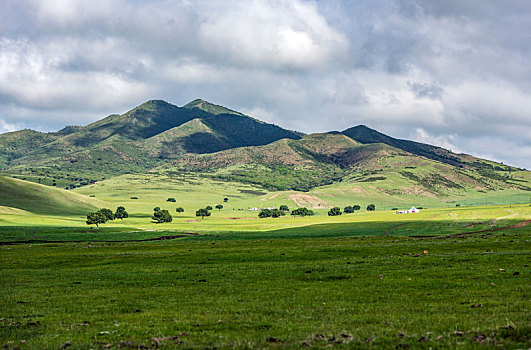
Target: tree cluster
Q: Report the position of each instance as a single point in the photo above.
(270, 213)
(103, 215)
(349, 209)
(302, 212)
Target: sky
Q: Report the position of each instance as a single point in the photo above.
(452, 73)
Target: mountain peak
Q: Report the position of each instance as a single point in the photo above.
(209, 107)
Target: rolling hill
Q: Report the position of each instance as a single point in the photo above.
(42, 199)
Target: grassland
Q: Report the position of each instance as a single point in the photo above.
(208, 291)
(446, 277)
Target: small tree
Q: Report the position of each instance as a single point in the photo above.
(348, 209)
(107, 213)
(171, 200)
(371, 207)
(356, 207)
(121, 213)
(156, 209)
(284, 207)
(161, 216)
(335, 211)
(95, 218)
(208, 207)
(219, 207)
(225, 199)
(180, 210)
(202, 213)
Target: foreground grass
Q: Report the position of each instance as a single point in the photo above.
(357, 292)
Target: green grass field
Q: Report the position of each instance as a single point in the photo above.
(445, 277)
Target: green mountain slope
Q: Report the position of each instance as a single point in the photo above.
(143, 138)
(42, 199)
(323, 159)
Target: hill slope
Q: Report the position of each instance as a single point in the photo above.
(42, 199)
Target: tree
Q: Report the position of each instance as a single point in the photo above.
(335, 211)
(284, 207)
(160, 216)
(95, 218)
(349, 209)
(265, 213)
(171, 200)
(156, 209)
(208, 207)
(202, 213)
(219, 207)
(276, 213)
(356, 207)
(371, 207)
(107, 213)
(301, 212)
(121, 213)
(180, 210)
(225, 199)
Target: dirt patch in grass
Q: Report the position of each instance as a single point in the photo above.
(309, 201)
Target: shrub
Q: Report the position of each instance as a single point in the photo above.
(171, 200)
(371, 207)
(180, 210)
(284, 207)
(208, 207)
(348, 209)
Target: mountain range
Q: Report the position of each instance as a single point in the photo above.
(201, 137)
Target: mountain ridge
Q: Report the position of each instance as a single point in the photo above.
(223, 143)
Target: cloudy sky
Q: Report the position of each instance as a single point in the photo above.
(448, 72)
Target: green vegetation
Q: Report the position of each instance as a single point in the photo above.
(335, 211)
(371, 207)
(179, 210)
(219, 207)
(270, 213)
(202, 213)
(160, 216)
(302, 212)
(208, 291)
(171, 200)
(96, 218)
(121, 213)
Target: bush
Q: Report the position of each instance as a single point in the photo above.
(284, 207)
(208, 207)
(356, 207)
(335, 211)
(156, 209)
(371, 207)
(180, 210)
(348, 209)
(171, 200)
(160, 216)
(134, 197)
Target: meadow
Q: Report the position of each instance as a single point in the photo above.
(445, 277)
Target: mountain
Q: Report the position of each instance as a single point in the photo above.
(363, 134)
(220, 143)
(135, 141)
(42, 199)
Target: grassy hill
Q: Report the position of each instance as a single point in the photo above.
(42, 199)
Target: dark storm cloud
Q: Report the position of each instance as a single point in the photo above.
(453, 73)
